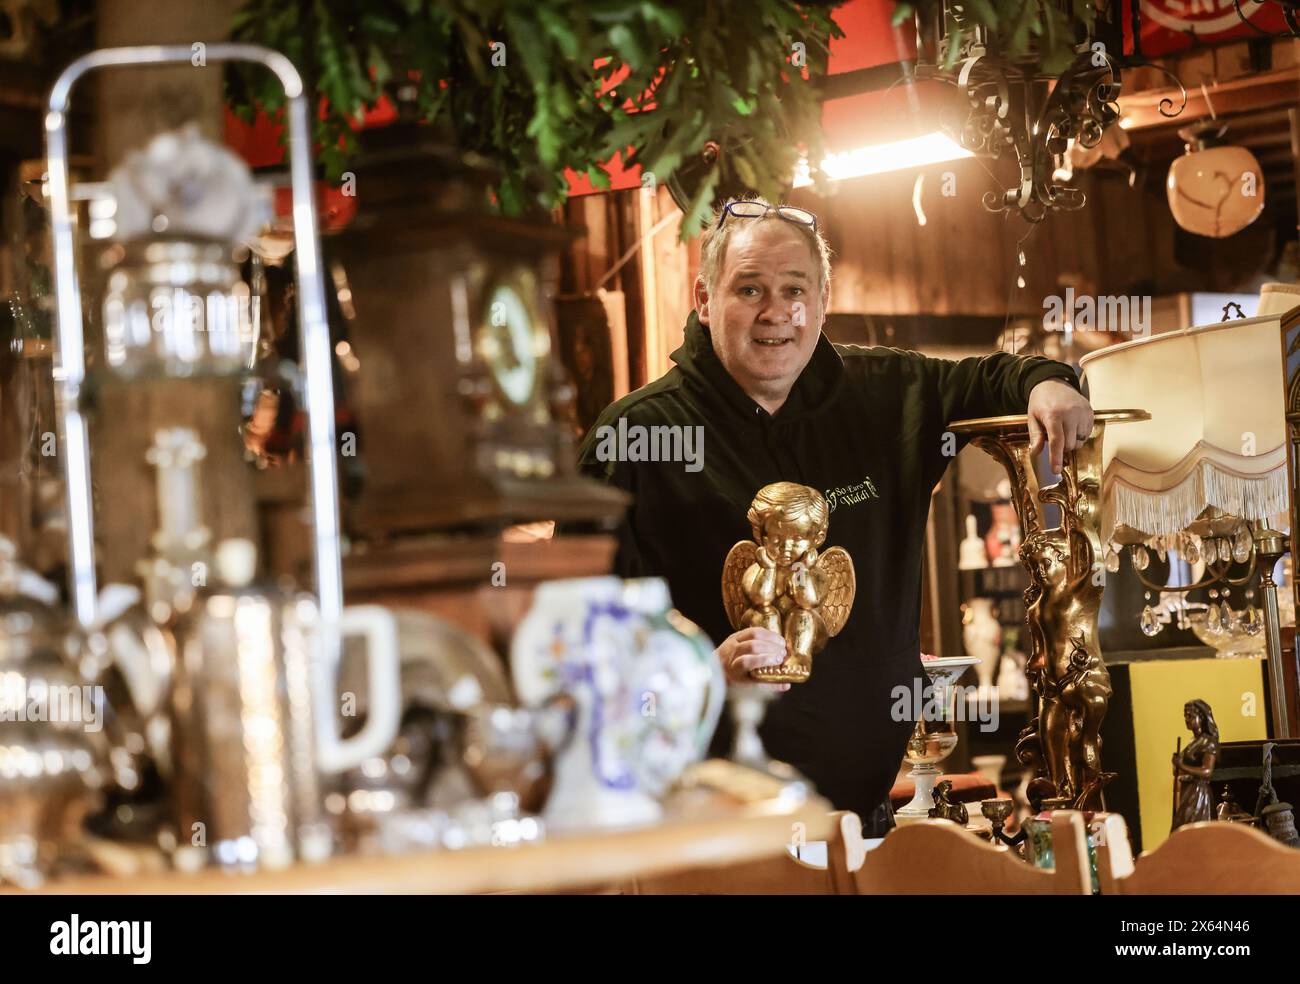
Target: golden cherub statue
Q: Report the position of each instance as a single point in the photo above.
(778, 581)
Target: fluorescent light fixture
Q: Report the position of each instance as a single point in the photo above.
(879, 158)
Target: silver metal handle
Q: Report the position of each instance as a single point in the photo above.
(70, 363)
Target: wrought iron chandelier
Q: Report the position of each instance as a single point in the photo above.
(1015, 107)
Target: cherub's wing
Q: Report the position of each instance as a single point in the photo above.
(739, 559)
(841, 585)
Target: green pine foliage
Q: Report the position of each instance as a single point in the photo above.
(519, 81)
(1044, 30)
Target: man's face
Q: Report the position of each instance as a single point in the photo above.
(765, 313)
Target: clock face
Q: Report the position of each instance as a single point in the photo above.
(508, 343)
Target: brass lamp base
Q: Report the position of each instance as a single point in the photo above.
(1067, 674)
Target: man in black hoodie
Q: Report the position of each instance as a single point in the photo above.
(760, 395)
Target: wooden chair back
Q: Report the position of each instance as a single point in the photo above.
(936, 857)
(1200, 859)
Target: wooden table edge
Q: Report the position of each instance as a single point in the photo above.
(562, 862)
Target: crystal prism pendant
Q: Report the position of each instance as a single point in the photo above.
(1141, 559)
(1191, 548)
(1229, 619)
(1148, 622)
(1251, 623)
(1112, 558)
(1241, 543)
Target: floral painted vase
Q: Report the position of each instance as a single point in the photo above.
(647, 690)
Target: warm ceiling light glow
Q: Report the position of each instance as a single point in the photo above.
(879, 158)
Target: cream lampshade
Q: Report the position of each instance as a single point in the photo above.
(1211, 461)
(1278, 299)
(1216, 437)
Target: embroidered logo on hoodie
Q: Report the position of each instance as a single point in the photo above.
(847, 495)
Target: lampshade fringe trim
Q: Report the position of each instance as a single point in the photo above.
(1175, 509)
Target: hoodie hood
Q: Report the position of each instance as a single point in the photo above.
(708, 377)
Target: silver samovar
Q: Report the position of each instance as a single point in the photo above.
(244, 718)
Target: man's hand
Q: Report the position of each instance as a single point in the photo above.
(1059, 415)
(749, 649)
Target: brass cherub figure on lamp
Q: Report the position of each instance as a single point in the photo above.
(1068, 676)
(781, 582)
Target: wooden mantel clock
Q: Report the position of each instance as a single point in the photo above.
(459, 399)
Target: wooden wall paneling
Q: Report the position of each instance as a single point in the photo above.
(866, 247)
(989, 255)
(964, 261)
(1143, 233)
(848, 287)
(1293, 126)
(905, 240)
(985, 264)
(626, 210)
(645, 260)
(1054, 251)
(1084, 231)
(1038, 271)
(573, 257)
(615, 303)
(566, 215)
(587, 262)
(588, 256)
(1159, 232)
(1042, 262)
(931, 292)
(868, 238)
(651, 290)
(972, 280)
(895, 206)
(1002, 232)
(1164, 232)
(1130, 251)
(1090, 228)
(597, 252)
(956, 225)
(674, 279)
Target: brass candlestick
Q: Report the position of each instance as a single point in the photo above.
(1062, 744)
(997, 812)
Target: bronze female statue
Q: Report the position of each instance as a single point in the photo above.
(1194, 765)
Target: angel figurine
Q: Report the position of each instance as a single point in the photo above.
(779, 581)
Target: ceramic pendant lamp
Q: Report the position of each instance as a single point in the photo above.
(1214, 189)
